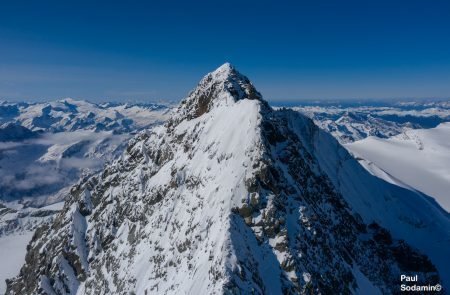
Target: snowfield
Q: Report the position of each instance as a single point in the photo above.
(416, 159)
(12, 256)
(17, 226)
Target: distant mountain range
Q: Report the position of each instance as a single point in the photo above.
(63, 140)
(349, 122)
(71, 115)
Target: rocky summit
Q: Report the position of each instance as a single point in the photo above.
(232, 197)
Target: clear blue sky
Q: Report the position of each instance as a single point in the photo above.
(290, 49)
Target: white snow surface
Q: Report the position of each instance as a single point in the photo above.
(16, 230)
(417, 159)
(12, 255)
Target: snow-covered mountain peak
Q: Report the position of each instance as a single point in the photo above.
(224, 69)
(224, 86)
(234, 197)
(231, 81)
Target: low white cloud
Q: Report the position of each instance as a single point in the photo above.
(80, 163)
(9, 145)
(23, 173)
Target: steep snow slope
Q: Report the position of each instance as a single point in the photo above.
(231, 196)
(17, 225)
(12, 256)
(418, 158)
